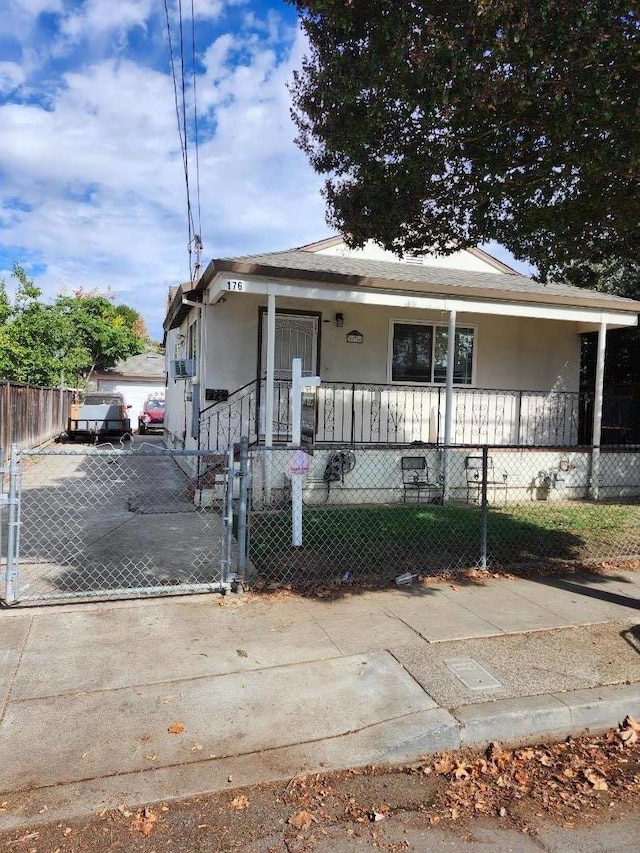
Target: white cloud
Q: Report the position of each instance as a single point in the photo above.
(208, 8)
(98, 18)
(11, 77)
(212, 9)
(92, 183)
(34, 8)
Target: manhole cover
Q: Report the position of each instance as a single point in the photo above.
(472, 674)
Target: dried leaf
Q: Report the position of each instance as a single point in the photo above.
(526, 754)
(176, 729)
(145, 821)
(239, 803)
(241, 653)
(302, 820)
(630, 723)
(596, 780)
(444, 765)
(545, 760)
(461, 772)
(628, 736)
(494, 751)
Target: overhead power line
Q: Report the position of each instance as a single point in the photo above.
(194, 243)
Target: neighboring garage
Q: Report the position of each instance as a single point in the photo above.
(137, 378)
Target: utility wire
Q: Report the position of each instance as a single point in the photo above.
(195, 116)
(181, 119)
(184, 133)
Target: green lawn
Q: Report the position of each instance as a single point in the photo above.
(386, 540)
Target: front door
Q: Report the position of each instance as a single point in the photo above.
(296, 337)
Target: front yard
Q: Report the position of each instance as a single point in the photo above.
(380, 542)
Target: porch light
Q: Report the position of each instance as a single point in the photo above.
(339, 320)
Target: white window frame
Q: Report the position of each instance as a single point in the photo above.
(405, 321)
(192, 342)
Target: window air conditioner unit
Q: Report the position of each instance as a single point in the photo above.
(183, 368)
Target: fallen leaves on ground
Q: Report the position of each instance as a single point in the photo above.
(627, 733)
(176, 729)
(557, 780)
(583, 780)
(302, 820)
(144, 821)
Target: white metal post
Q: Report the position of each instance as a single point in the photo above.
(296, 437)
(271, 362)
(448, 405)
(597, 411)
(296, 402)
(269, 393)
(300, 461)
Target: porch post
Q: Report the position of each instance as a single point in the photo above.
(271, 361)
(448, 405)
(597, 413)
(269, 394)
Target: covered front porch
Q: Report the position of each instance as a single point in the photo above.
(371, 414)
(438, 356)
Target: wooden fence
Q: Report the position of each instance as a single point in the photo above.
(31, 415)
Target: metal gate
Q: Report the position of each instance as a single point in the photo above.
(116, 522)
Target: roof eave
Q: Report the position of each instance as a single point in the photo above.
(364, 282)
(177, 311)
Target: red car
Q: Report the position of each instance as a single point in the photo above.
(152, 416)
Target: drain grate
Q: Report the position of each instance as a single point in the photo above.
(472, 674)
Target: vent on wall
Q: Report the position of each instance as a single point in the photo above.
(416, 260)
(183, 368)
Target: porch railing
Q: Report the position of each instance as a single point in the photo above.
(359, 413)
(402, 414)
(222, 424)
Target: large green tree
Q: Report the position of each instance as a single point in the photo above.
(446, 124)
(65, 340)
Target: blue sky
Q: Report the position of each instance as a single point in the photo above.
(91, 180)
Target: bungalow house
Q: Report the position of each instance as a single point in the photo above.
(414, 351)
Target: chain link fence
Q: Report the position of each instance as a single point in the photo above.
(371, 515)
(105, 522)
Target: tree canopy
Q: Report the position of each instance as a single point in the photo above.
(66, 340)
(442, 125)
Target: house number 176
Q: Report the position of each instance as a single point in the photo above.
(234, 284)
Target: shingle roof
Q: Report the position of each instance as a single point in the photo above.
(149, 365)
(423, 279)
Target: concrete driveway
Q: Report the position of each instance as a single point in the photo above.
(101, 523)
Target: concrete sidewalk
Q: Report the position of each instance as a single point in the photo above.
(267, 688)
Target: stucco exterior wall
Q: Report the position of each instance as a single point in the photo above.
(177, 406)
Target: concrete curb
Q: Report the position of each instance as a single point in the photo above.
(550, 715)
(509, 720)
(390, 742)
